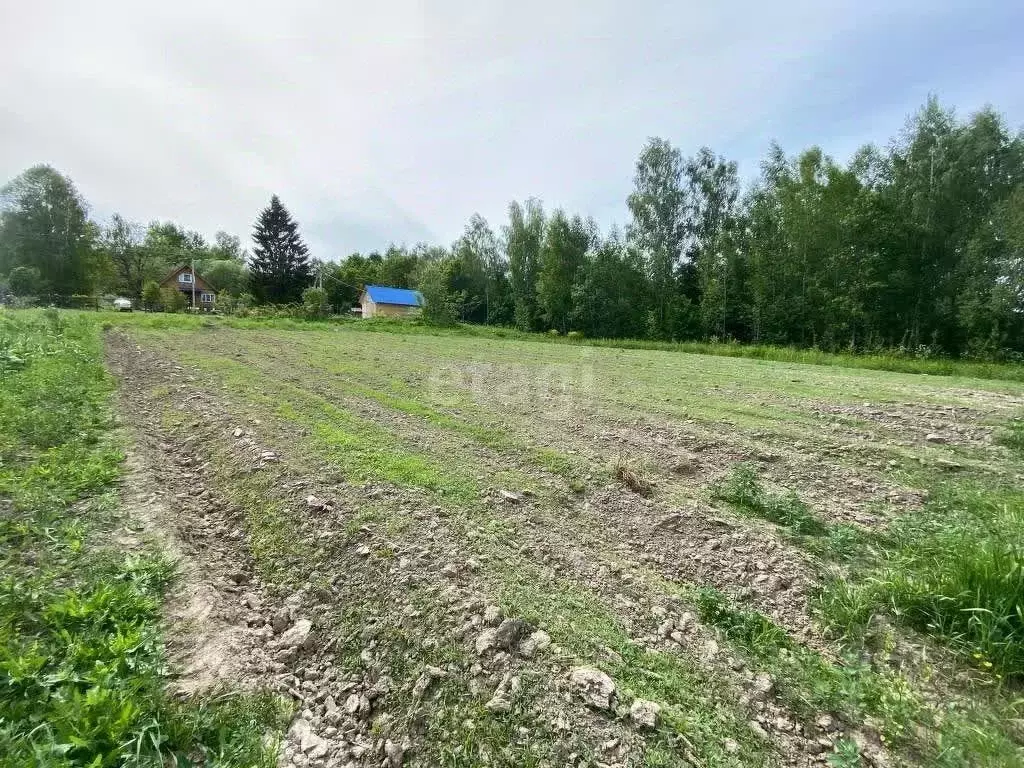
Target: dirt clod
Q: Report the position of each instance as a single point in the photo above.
(593, 686)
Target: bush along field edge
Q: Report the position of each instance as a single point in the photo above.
(84, 679)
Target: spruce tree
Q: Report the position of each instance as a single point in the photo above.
(279, 268)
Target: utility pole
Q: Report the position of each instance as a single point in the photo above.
(192, 266)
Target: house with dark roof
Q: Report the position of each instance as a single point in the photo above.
(382, 301)
(184, 279)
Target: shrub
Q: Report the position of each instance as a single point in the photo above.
(244, 304)
(152, 299)
(24, 281)
(172, 300)
(314, 303)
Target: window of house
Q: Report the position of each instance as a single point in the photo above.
(185, 277)
(206, 298)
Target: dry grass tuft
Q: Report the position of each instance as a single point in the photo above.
(632, 478)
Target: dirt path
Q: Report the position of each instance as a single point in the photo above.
(207, 642)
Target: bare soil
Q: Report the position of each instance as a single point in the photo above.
(374, 607)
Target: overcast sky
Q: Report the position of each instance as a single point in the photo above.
(394, 122)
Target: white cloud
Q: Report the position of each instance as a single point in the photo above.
(397, 121)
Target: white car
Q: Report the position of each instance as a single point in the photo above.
(121, 304)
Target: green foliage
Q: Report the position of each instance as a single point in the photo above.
(24, 281)
(845, 755)
(82, 674)
(475, 268)
(152, 298)
(441, 306)
(242, 304)
(743, 489)
(314, 303)
(226, 248)
(131, 261)
(224, 275)
(524, 235)
(172, 300)
(658, 206)
(954, 570)
(719, 261)
(562, 254)
(59, 248)
(279, 269)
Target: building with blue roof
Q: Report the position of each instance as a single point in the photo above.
(383, 301)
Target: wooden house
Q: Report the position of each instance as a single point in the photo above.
(190, 284)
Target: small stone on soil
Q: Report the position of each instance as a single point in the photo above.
(492, 615)
(485, 641)
(297, 636)
(510, 632)
(535, 642)
(593, 686)
(644, 713)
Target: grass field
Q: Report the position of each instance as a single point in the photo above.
(799, 564)
(82, 667)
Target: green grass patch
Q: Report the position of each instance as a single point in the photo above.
(807, 682)
(328, 375)
(953, 570)
(360, 448)
(945, 733)
(82, 672)
(744, 491)
(1012, 436)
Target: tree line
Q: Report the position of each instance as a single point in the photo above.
(50, 247)
(916, 246)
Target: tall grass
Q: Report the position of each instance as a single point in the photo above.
(82, 672)
(938, 734)
(954, 570)
(1012, 436)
